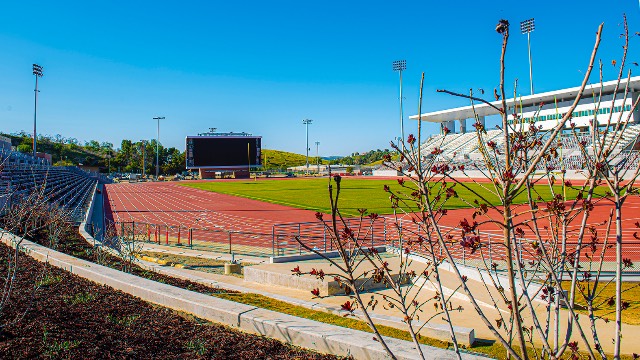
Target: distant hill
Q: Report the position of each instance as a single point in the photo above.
(371, 157)
(276, 159)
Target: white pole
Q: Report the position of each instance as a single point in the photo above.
(158, 150)
(401, 113)
(530, 68)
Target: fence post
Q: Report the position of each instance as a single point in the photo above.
(148, 233)
(490, 251)
(519, 250)
(384, 231)
(167, 235)
(273, 240)
(464, 257)
(299, 242)
(372, 230)
(133, 229)
(190, 237)
(155, 235)
(324, 237)
(178, 235)
(229, 232)
(400, 233)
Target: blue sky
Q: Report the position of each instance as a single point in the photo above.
(262, 67)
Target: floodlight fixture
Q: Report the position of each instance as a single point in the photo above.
(399, 65)
(37, 71)
(526, 27)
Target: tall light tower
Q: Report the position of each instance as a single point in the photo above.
(318, 157)
(306, 122)
(144, 162)
(158, 146)
(527, 27)
(37, 71)
(400, 66)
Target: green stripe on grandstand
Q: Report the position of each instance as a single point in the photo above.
(356, 193)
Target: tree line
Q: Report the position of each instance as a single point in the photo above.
(130, 157)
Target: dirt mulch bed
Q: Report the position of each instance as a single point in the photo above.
(70, 317)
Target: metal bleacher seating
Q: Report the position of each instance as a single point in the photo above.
(21, 175)
(463, 148)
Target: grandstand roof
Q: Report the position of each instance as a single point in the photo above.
(481, 109)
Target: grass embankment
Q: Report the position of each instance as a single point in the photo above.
(356, 193)
(606, 291)
(276, 159)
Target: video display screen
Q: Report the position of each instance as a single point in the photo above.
(223, 151)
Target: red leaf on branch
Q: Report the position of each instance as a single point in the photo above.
(348, 306)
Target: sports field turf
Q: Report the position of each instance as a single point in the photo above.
(356, 193)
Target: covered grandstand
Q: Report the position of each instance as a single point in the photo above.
(606, 104)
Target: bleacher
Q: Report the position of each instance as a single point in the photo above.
(463, 148)
(22, 174)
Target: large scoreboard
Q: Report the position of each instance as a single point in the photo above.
(223, 152)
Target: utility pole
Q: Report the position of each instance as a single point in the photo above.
(158, 146)
(144, 162)
(306, 122)
(37, 71)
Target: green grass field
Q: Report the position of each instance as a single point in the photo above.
(356, 193)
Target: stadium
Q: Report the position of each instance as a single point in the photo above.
(171, 218)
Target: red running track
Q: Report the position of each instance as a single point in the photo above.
(171, 204)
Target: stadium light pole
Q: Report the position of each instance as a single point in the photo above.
(526, 27)
(318, 157)
(400, 66)
(158, 146)
(306, 122)
(144, 152)
(37, 71)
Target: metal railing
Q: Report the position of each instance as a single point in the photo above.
(283, 240)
